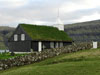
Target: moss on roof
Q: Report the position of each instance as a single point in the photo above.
(46, 33)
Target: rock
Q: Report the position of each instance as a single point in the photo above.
(38, 56)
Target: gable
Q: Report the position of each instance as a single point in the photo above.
(18, 31)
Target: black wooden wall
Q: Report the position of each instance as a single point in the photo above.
(24, 46)
(19, 46)
(34, 45)
(67, 43)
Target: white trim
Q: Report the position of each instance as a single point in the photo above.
(39, 46)
(22, 52)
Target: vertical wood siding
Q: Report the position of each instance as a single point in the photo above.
(19, 46)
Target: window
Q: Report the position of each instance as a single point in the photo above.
(22, 37)
(15, 37)
(61, 44)
(52, 44)
(56, 44)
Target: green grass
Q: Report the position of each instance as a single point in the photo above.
(8, 55)
(86, 62)
(37, 32)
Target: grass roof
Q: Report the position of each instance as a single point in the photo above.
(46, 33)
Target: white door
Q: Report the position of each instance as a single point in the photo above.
(94, 44)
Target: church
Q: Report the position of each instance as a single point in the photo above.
(29, 38)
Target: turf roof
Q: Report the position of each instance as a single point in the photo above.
(46, 33)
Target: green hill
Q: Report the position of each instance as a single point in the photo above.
(85, 31)
(86, 62)
(5, 33)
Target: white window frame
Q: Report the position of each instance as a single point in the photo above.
(15, 37)
(22, 37)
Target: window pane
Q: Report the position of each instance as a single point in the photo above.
(52, 44)
(22, 37)
(15, 37)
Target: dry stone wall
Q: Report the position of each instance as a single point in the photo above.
(38, 56)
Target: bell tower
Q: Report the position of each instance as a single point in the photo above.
(59, 23)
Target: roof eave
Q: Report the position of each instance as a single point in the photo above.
(54, 40)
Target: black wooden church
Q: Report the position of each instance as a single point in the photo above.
(27, 38)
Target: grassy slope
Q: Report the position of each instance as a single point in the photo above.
(8, 55)
(85, 62)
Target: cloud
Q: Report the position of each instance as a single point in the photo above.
(13, 12)
(12, 3)
(93, 16)
(75, 6)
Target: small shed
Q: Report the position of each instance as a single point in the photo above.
(27, 38)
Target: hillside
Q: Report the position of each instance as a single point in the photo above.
(5, 33)
(86, 62)
(85, 31)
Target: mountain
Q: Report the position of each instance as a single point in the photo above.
(85, 31)
(5, 33)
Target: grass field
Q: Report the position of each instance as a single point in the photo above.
(86, 62)
(8, 55)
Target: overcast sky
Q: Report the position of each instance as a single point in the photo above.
(13, 12)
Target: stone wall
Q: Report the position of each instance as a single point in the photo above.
(38, 56)
(98, 44)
